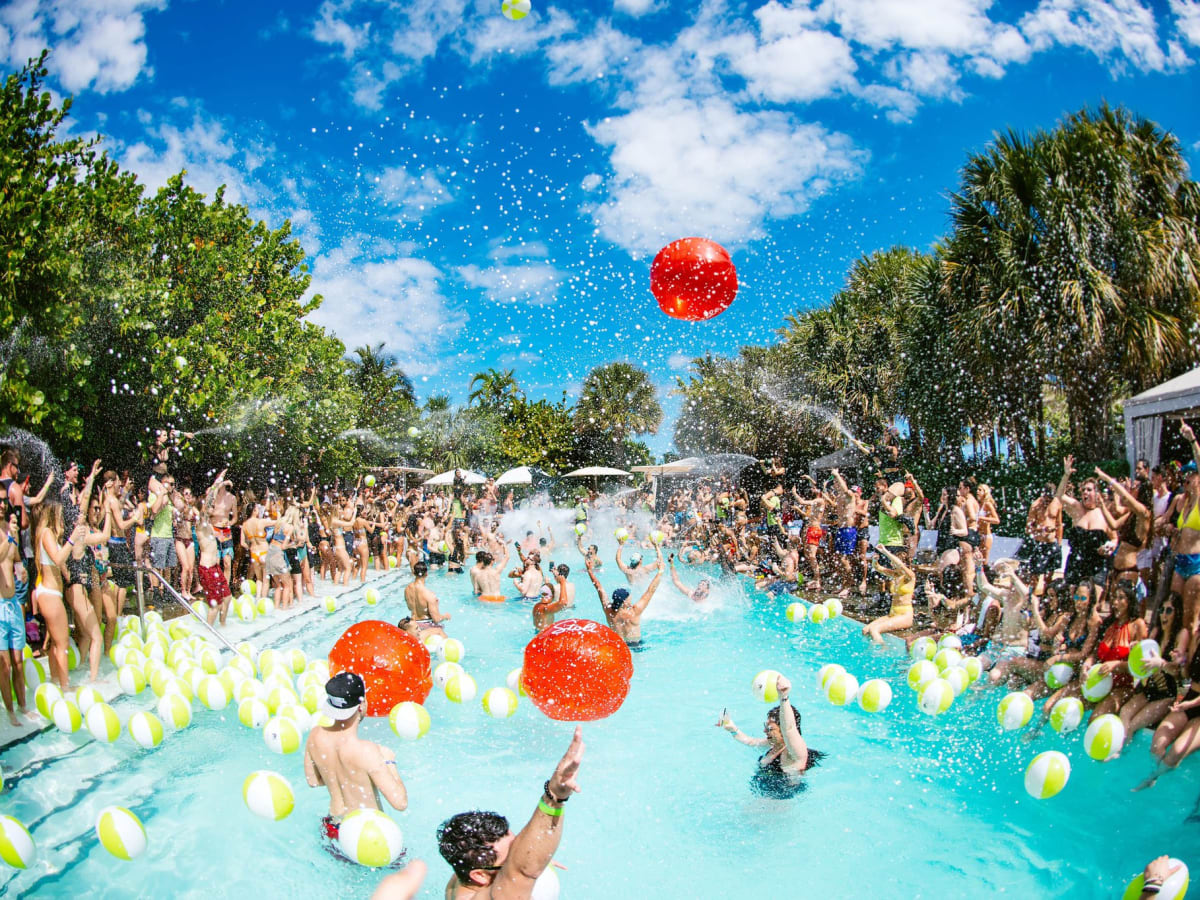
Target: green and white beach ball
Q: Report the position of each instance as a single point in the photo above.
(452, 650)
(1066, 715)
(1097, 685)
(818, 614)
(66, 716)
(923, 648)
(370, 838)
(329, 604)
(212, 693)
(796, 612)
(146, 729)
(973, 667)
(17, 848)
(371, 596)
(875, 695)
(282, 735)
(460, 688)
(1104, 737)
(1059, 675)
(45, 697)
(935, 697)
(264, 606)
(513, 680)
(443, 672)
(1047, 774)
(499, 702)
(949, 641)
(947, 659)
(824, 675)
(834, 606)
(515, 10)
(958, 678)
(121, 833)
(841, 689)
(175, 711)
(1174, 887)
(103, 723)
(921, 673)
(1138, 654)
(269, 795)
(1014, 711)
(253, 712)
(409, 720)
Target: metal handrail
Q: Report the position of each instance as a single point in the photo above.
(186, 605)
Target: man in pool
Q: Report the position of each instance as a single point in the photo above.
(356, 772)
(635, 571)
(492, 863)
(485, 574)
(422, 602)
(699, 595)
(625, 618)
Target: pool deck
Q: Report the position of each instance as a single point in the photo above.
(233, 631)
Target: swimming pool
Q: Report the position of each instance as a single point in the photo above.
(904, 805)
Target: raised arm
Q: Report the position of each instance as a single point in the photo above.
(1188, 435)
(596, 584)
(1070, 504)
(896, 561)
(838, 480)
(1131, 501)
(641, 605)
(41, 495)
(621, 563)
(675, 578)
(787, 722)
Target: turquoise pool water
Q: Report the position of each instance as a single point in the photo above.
(904, 805)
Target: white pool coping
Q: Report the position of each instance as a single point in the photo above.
(234, 631)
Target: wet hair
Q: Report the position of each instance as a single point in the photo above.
(465, 841)
(773, 715)
(483, 558)
(619, 597)
(405, 623)
(420, 570)
(563, 569)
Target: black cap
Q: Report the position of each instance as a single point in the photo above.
(344, 693)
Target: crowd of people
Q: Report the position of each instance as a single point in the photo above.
(1104, 563)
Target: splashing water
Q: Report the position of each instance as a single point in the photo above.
(247, 415)
(775, 393)
(37, 459)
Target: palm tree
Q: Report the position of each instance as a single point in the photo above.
(618, 400)
(494, 388)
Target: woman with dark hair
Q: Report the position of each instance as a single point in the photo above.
(788, 755)
(1050, 615)
(1157, 693)
(1123, 629)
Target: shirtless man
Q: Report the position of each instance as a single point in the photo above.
(623, 618)
(1089, 529)
(224, 514)
(355, 771)
(422, 602)
(561, 587)
(485, 574)
(699, 595)
(845, 536)
(492, 863)
(1044, 527)
(635, 571)
(529, 579)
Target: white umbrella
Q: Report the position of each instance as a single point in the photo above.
(467, 475)
(593, 471)
(519, 475)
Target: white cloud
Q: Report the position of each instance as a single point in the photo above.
(534, 283)
(708, 169)
(95, 44)
(1187, 19)
(927, 73)
(413, 194)
(680, 360)
(1114, 30)
(591, 57)
(636, 8)
(331, 28)
(371, 295)
(804, 66)
(958, 26)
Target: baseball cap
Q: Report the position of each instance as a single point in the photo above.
(344, 693)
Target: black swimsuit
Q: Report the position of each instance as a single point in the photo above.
(771, 781)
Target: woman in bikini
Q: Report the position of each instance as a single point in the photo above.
(1051, 615)
(987, 517)
(183, 524)
(1080, 639)
(277, 564)
(903, 586)
(1178, 734)
(52, 555)
(1133, 521)
(1156, 694)
(1123, 629)
(254, 539)
(1182, 524)
(106, 598)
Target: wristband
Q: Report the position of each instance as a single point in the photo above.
(546, 788)
(549, 810)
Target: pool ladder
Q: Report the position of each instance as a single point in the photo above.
(184, 603)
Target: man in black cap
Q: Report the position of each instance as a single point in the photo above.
(355, 771)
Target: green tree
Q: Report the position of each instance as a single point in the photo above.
(618, 401)
(494, 388)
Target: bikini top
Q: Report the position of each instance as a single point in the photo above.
(1118, 647)
(1192, 521)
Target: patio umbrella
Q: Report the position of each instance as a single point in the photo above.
(592, 471)
(519, 475)
(447, 478)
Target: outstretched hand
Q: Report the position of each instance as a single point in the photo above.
(402, 885)
(562, 782)
(1186, 430)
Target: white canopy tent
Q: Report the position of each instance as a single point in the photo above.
(594, 471)
(447, 478)
(1146, 412)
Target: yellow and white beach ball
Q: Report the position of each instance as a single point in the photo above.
(833, 606)
(35, 672)
(66, 716)
(72, 654)
(152, 617)
(949, 641)
(516, 10)
(193, 679)
(279, 696)
(320, 668)
(513, 680)
(244, 664)
(764, 686)
(245, 609)
(444, 671)
(1047, 774)
(958, 678)
(157, 650)
(264, 606)
(103, 723)
(935, 697)
(657, 537)
(581, 528)
(121, 833)
(131, 681)
(392, 561)
(818, 614)
(1104, 737)
(460, 688)
(875, 695)
(371, 596)
(145, 729)
(295, 658)
(1066, 715)
(117, 653)
(253, 712)
(1015, 711)
(973, 667)
(796, 612)
(268, 794)
(1138, 654)
(546, 886)
(311, 697)
(1174, 886)
(827, 672)
(209, 660)
(1058, 675)
(45, 697)
(452, 650)
(947, 659)
(246, 649)
(249, 586)
(370, 838)
(212, 693)
(175, 711)
(231, 678)
(251, 687)
(282, 735)
(621, 534)
(923, 648)
(297, 713)
(129, 625)
(841, 689)
(921, 673)
(409, 720)
(499, 702)
(1097, 684)
(178, 653)
(433, 642)
(329, 604)
(17, 848)
(180, 687)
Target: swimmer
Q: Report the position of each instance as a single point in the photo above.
(489, 861)
(485, 574)
(788, 755)
(635, 571)
(529, 579)
(699, 595)
(546, 607)
(422, 602)
(623, 618)
(356, 772)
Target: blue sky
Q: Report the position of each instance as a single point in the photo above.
(478, 192)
